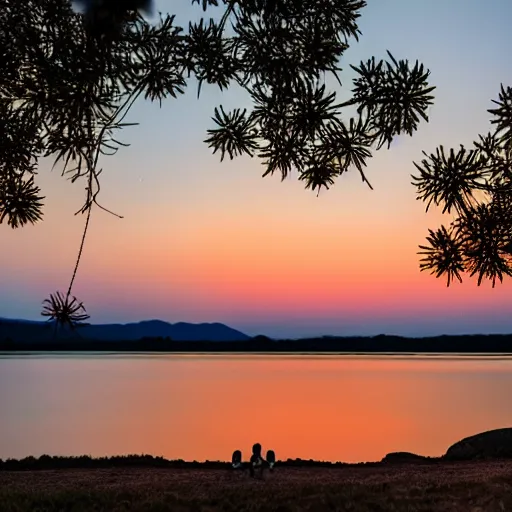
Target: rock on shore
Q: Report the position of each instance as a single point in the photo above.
(493, 444)
(405, 458)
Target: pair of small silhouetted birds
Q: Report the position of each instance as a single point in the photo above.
(256, 460)
(106, 17)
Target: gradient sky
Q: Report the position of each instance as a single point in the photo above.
(205, 241)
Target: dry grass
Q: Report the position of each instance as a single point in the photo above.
(461, 487)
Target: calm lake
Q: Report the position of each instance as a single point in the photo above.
(349, 408)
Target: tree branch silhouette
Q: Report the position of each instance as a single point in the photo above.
(66, 89)
(474, 185)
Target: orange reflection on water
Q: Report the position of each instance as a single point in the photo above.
(204, 407)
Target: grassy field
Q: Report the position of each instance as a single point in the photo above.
(456, 487)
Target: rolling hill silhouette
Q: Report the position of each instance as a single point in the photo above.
(33, 331)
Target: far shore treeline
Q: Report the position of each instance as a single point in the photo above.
(463, 344)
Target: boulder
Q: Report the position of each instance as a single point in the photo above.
(403, 458)
(493, 444)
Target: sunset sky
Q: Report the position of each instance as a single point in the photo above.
(205, 241)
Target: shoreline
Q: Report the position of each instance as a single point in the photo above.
(131, 461)
(57, 462)
(383, 354)
(483, 447)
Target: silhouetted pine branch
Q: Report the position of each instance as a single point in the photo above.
(476, 185)
(68, 81)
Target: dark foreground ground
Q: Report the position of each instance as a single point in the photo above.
(453, 487)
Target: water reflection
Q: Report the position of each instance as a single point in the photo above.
(201, 407)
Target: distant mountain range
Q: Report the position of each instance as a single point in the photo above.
(33, 331)
(159, 336)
